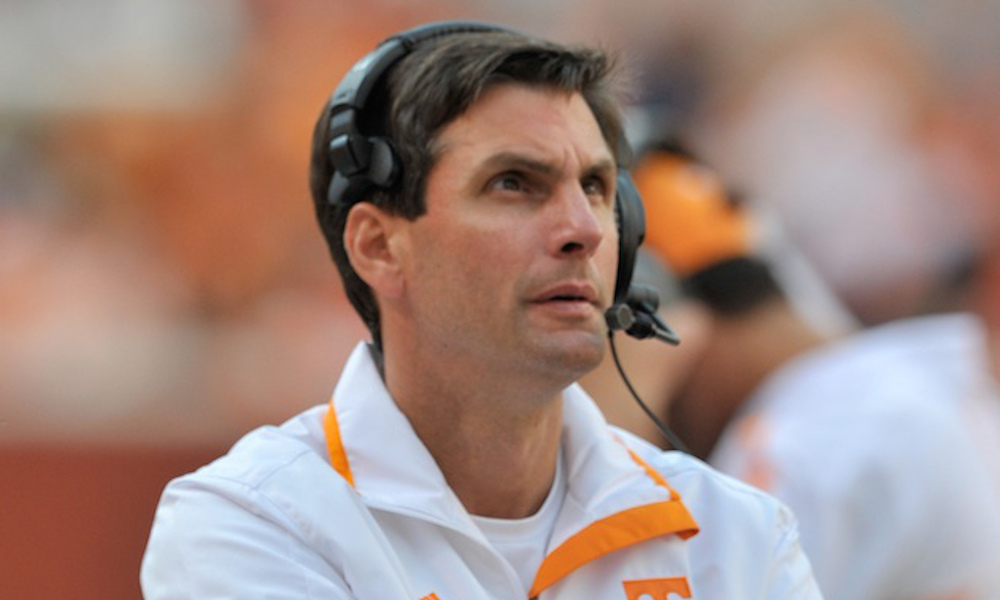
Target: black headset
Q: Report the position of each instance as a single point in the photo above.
(363, 162)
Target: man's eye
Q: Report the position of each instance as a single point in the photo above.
(595, 186)
(509, 182)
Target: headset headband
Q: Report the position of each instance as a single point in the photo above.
(359, 160)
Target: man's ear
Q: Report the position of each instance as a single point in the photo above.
(368, 240)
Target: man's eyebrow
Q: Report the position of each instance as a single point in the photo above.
(605, 167)
(515, 160)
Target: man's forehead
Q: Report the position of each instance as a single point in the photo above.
(511, 122)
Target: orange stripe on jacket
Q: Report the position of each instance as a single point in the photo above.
(613, 533)
(334, 445)
(616, 532)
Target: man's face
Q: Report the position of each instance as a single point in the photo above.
(513, 264)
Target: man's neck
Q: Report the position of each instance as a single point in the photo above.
(496, 441)
(500, 469)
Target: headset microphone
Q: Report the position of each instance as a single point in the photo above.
(638, 318)
(634, 308)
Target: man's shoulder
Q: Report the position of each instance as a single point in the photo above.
(743, 532)
(723, 506)
(708, 493)
(265, 454)
(275, 478)
(272, 505)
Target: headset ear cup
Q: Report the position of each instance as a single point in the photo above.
(383, 167)
(336, 193)
(631, 231)
(360, 163)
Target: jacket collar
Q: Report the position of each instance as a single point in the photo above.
(614, 499)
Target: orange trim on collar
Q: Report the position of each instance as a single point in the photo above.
(338, 457)
(602, 537)
(618, 531)
(653, 474)
(614, 533)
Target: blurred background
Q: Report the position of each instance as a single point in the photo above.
(163, 285)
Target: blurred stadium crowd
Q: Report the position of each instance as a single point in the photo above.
(161, 276)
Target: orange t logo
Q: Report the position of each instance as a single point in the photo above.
(657, 589)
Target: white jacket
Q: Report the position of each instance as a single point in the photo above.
(883, 445)
(348, 503)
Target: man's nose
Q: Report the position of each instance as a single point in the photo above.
(578, 228)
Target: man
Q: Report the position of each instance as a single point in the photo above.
(466, 180)
(878, 439)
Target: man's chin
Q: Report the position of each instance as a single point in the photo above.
(576, 354)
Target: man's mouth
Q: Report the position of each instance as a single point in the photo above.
(569, 293)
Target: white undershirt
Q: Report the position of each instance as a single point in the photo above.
(523, 542)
